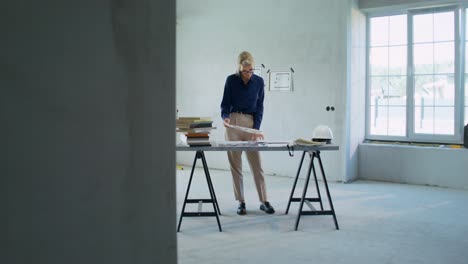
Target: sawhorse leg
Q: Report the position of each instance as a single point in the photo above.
(295, 182)
(213, 200)
(210, 183)
(291, 199)
(303, 199)
(328, 191)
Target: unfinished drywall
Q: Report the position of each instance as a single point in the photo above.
(356, 99)
(308, 36)
(445, 167)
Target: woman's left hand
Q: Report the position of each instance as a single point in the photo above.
(256, 137)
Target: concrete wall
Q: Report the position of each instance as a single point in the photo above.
(443, 167)
(356, 99)
(88, 92)
(309, 36)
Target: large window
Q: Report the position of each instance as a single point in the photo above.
(414, 80)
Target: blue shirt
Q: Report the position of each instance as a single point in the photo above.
(245, 98)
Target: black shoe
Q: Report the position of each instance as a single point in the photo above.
(267, 208)
(241, 209)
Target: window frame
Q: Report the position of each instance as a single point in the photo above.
(459, 75)
(463, 44)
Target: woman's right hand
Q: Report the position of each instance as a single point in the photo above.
(226, 121)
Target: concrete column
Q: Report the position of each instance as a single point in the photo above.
(87, 106)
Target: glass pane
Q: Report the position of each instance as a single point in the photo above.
(378, 88)
(444, 26)
(444, 57)
(379, 31)
(379, 117)
(424, 120)
(423, 28)
(444, 121)
(466, 99)
(396, 121)
(397, 89)
(379, 61)
(466, 57)
(444, 90)
(466, 89)
(423, 58)
(466, 115)
(397, 60)
(385, 94)
(397, 30)
(423, 90)
(397, 101)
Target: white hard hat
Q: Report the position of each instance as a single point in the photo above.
(322, 133)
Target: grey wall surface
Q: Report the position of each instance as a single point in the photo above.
(356, 99)
(443, 167)
(87, 94)
(309, 36)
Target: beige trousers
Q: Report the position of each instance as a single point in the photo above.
(253, 157)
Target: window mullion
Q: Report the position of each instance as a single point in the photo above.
(463, 91)
(460, 17)
(410, 81)
(368, 79)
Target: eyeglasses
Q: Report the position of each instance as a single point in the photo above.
(249, 72)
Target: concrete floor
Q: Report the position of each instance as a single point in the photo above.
(379, 223)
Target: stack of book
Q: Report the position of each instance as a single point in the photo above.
(196, 129)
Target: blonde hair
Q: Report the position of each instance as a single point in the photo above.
(245, 59)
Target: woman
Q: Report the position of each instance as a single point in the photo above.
(242, 105)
